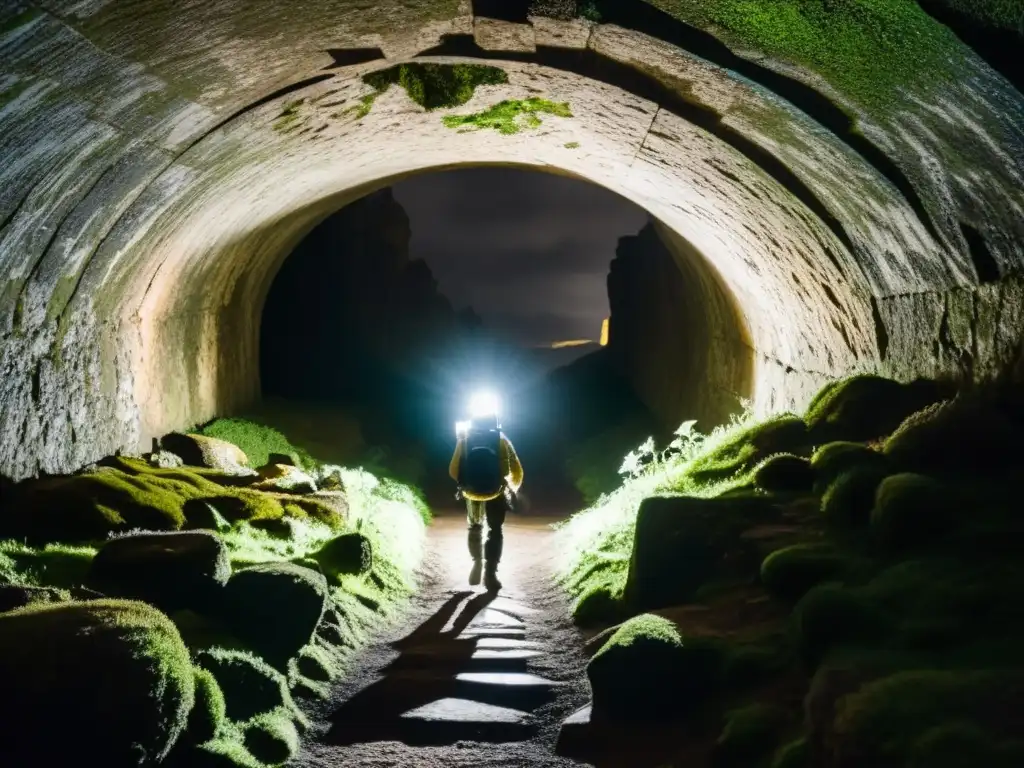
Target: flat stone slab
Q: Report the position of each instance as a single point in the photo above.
(505, 642)
(505, 678)
(465, 711)
(505, 653)
(495, 619)
(511, 607)
(508, 633)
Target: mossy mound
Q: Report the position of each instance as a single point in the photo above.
(349, 553)
(848, 501)
(750, 734)
(173, 571)
(598, 605)
(829, 616)
(912, 511)
(966, 437)
(210, 708)
(648, 671)
(62, 566)
(681, 543)
(272, 737)
(92, 505)
(744, 451)
(833, 459)
(785, 473)
(19, 595)
(109, 679)
(250, 686)
(275, 608)
(866, 407)
(904, 716)
(257, 441)
(791, 572)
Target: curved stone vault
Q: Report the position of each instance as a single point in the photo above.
(162, 159)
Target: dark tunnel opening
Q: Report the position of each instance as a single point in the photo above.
(359, 335)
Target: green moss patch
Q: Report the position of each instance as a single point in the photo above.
(750, 734)
(115, 675)
(509, 117)
(436, 86)
(258, 441)
(866, 49)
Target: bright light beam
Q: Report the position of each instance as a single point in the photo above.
(484, 403)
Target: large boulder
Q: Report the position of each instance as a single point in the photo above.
(275, 608)
(248, 684)
(349, 553)
(185, 569)
(681, 543)
(284, 478)
(202, 451)
(648, 670)
(109, 680)
(866, 407)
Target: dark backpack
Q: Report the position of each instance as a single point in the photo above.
(481, 464)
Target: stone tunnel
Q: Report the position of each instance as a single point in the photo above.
(162, 159)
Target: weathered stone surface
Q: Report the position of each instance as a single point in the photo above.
(137, 243)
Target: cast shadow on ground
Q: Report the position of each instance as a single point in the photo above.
(423, 697)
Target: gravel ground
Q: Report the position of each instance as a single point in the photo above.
(370, 741)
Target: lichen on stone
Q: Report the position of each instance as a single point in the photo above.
(509, 117)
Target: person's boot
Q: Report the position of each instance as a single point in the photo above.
(491, 577)
(475, 552)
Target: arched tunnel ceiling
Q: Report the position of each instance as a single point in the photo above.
(163, 158)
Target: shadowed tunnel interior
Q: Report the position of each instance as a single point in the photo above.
(230, 367)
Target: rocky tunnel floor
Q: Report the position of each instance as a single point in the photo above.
(464, 678)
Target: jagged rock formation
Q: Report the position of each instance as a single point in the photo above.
(350, 306)
(858, 202)
(670, 333)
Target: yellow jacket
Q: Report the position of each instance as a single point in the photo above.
(512, 469)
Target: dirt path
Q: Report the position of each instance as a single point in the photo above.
(464, 678)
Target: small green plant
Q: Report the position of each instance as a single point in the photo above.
(572, 145)
(509, 117)
(588, 10)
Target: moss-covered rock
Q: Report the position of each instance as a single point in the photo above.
(107, 679)
(886, 720)
(436, 86)
(682, 542)
(785, 433)
(272, 737)
(829, 616)
(833, 459)
(791, 572)
(210, 708)
(848, 501)
(785, 473)
(647, 670)
(964, 437)
(203, 631)
(866, 407)
(284, 478)
(275, 608)
(205, 451)
(913, 510)
(250, 686)
(19, 595)
(750, 734)
(185, 569)
(598, 605)
(349, 553)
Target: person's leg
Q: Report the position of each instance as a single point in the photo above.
(475, 519)
(496, 509)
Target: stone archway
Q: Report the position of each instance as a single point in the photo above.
(156, 187)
